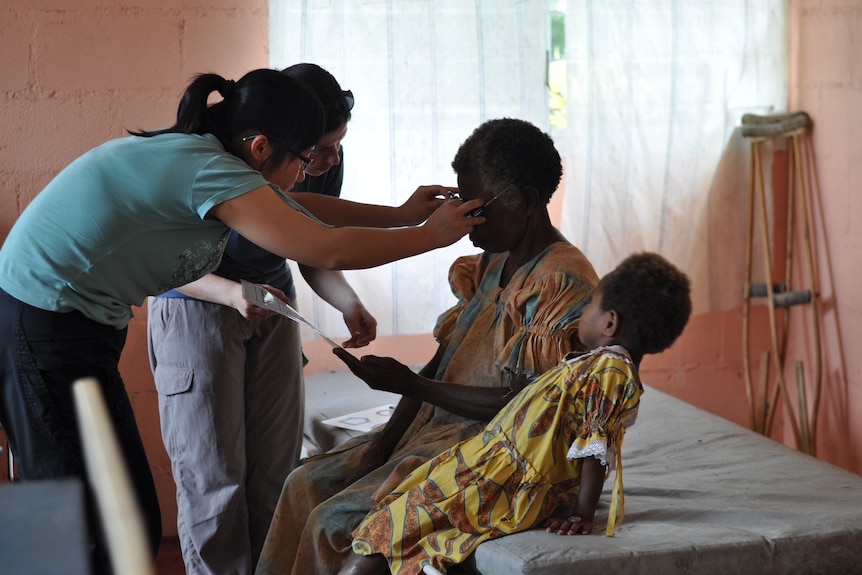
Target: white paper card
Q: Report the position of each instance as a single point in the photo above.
(259, 295)
(364, 420)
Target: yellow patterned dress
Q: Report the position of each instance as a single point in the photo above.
(515, 474)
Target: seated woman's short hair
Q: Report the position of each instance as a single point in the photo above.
(508, 151)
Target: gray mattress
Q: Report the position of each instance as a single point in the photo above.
(702, 495)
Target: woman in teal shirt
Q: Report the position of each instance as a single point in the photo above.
(214, 353)
(141, 215)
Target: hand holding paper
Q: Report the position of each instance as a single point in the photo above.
(258, 295)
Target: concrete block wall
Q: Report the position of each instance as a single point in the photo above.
(75, 74)
(826, 81)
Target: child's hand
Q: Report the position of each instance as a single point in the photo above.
(570, 525)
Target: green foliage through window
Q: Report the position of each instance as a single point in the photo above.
(557, 64)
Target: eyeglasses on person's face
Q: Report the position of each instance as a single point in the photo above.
(304, 159)
(476, 212)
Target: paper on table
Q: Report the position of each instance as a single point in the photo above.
(364, 420)
(258, 295)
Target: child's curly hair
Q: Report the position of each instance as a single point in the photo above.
(652, 298)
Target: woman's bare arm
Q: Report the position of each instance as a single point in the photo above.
(480, 403)
(263, 218)
(340, 212)
(216, 289)
(387, 374)
(332, 287)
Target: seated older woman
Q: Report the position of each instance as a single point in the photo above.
(517, 314)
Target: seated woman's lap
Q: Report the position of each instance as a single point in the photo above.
(318, 485)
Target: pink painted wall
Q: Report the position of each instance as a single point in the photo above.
(826, 81)
(72, 77)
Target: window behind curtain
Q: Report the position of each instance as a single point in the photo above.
(655, 162)
(425, 74)
(641, 96)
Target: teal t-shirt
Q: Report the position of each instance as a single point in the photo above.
(124, 221)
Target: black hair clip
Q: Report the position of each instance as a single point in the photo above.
(347, 96)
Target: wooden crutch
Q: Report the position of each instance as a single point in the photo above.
(763, 402)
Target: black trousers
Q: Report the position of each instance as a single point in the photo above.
(42, 354)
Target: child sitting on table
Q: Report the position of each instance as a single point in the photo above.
(544, 458)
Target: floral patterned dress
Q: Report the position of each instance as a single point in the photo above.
(491, 333)
(515, 474)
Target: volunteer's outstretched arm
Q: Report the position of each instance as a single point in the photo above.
(263, 218)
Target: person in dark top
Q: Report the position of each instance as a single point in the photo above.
(229, 374)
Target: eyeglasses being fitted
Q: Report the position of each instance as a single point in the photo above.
(476, 212)
(304, 159)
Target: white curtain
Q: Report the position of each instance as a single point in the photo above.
(655, 88)
(655, 161)
(424, 74)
